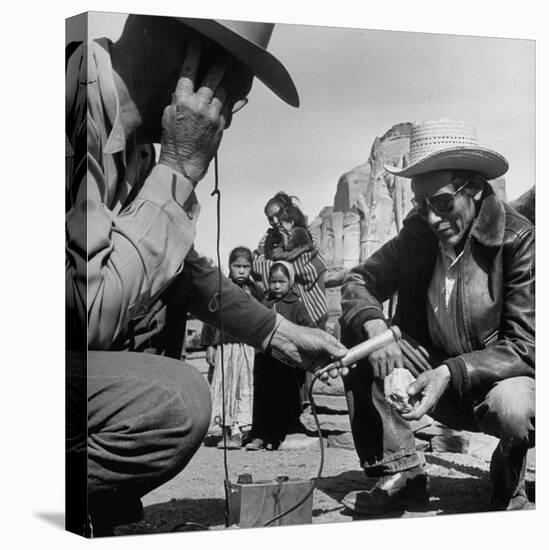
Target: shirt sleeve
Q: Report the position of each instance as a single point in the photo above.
(125, 260)
(116, 264)
(244, 318)
(368, 285)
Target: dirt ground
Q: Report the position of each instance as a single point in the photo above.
(459, 483)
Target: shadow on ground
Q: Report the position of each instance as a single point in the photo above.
(165, 517)
(454, 489)
(57, 519)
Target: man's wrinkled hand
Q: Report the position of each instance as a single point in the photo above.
(193, 124)
(429, 387)
(307, 348)
(386, 359)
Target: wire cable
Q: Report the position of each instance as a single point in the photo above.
(321, 464)
(217, 193)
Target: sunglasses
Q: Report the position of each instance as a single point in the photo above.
(441, 204)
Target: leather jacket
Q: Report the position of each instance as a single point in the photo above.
(495, 293)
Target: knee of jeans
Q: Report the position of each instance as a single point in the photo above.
(181, 422)
(195, 404)
(511, 406)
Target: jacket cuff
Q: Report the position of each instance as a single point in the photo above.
(357, 322)
(267, 340)
(459, 377)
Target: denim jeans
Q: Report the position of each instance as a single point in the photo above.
(133, 421)
(384, 440)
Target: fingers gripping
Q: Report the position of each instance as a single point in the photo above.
(189, 69)
(209, 87)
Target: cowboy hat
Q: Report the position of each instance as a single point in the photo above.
(247, 41)
(446, 144)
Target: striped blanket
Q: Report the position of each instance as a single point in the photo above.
(309, 270)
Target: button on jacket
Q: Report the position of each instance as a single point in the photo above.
(495, 300)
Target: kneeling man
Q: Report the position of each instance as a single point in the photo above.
(463, 268)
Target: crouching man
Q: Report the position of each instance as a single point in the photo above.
(463, 268)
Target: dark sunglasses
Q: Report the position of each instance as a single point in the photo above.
(443, 203)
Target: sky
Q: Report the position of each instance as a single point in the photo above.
(354, 84)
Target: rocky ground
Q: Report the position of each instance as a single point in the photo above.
(459, 483)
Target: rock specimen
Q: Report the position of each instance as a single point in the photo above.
(395, 390)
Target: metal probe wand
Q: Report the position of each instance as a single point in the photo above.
(363, 349)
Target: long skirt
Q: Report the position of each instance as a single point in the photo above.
(238, 362)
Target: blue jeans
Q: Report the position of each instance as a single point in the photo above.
(384, 440)
(133, 421)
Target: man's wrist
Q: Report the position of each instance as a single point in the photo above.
(444, 372)
(373, 327)
(176, 167)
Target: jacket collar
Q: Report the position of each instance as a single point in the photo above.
(488, 227)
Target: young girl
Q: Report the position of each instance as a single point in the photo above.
(238, 362)
(277, 384)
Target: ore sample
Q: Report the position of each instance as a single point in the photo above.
(395, 385)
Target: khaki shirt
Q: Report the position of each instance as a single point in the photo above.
(130, 227)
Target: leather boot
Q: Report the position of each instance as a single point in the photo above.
(507, 472)
(390, 493)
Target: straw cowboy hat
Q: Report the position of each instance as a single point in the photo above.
(247, 41)
(445, 144)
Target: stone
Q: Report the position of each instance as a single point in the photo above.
(330, 404)
(351, 239)
(526, 204)
(329, 423)
(482, 445)
(294, 442)
(337, 228)
(443, 439)
(350, 185)
(334, 386)
(424, 422)
(422, 446)
(435, 428)
(341, 441)
(454, 443)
